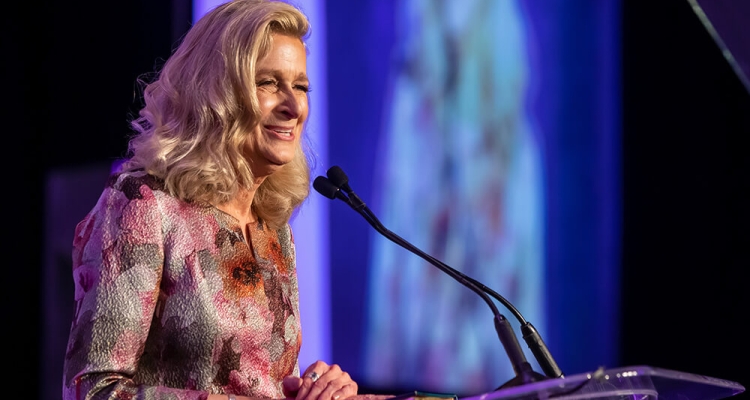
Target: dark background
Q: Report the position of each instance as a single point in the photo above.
(686, 246)
(68, 75)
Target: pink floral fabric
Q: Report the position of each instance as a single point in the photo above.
(173, 303)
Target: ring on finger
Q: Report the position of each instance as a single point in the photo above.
(313, 376)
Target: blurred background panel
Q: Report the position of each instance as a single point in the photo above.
(487, 134)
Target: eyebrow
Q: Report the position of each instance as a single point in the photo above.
(273, 72)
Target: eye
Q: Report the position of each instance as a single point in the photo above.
(266, 83)
(303, 88)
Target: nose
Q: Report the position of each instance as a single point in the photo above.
(291, 104)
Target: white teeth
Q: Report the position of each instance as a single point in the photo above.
(284, 133)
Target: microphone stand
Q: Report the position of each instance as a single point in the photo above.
(523, 371)
(531, 336)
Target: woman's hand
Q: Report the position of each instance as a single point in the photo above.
(320, 381)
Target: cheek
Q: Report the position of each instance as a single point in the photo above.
(266, 103)
(305, 108)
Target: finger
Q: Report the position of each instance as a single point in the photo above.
(328, 382)
(290, 386)
(332, 386)
(331, 382)
(319, 366)
(311, 375)
(345, 392)
(319, 385)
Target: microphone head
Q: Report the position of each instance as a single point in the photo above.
(323, 186)
(338, 178)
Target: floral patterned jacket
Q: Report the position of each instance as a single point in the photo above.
(173, 303)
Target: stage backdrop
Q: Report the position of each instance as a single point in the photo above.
(486, 133)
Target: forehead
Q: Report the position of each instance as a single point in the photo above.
(284, 50)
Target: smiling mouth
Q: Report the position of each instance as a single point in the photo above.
(281, 132)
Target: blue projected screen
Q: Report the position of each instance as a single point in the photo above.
(485, 133)
(459, 175)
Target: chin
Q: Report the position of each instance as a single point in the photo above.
(268, 162)
(281, 159)
(274, 164)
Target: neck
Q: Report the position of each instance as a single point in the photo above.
(240, 206)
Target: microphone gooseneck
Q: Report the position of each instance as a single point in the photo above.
(332, 187)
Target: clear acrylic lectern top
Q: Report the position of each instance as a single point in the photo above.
(637, 382)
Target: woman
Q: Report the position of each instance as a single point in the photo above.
(185, 280)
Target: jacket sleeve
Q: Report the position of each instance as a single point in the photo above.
(118, 259)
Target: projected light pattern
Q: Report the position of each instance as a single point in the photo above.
(463, 181)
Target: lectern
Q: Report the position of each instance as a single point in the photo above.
(636, 382)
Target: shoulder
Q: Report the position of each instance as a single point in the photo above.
(128, 212)
(133, 184)
(132, 197)
(143, 189)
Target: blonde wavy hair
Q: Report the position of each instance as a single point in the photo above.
(198, 110)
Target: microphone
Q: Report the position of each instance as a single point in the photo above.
(332, 187)
(531, 336)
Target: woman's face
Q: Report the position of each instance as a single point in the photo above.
(282, 86)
